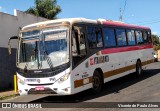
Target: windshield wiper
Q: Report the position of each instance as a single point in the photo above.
(25, 67)
(36, 54)
(49, 61)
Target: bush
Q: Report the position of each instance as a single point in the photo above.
(156, 47)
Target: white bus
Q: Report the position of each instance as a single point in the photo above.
(67, 56)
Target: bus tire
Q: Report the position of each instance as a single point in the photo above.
(138, 68)
(97, 82)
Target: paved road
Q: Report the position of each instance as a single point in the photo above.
(125, 89)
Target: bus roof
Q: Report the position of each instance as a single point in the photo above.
(70, 20)
(84, 20)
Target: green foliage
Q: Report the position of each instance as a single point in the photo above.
(155, 39)
(156, 43)
(8, 96)
(45, 8)
(156, 47)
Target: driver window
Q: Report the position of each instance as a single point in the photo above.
(82, 44)
(75, 51)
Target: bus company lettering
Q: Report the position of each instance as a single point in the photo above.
(98, 60)
(91, 61)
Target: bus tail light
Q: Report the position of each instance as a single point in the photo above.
(64, 78)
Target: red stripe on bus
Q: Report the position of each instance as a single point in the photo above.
(125, 49)
(118, 24)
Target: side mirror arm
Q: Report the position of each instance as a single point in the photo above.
(9, 44)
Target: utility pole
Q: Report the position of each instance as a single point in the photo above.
(120, 18)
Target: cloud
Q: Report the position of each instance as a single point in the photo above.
(155, 33)
(0, 8)
(3, 9)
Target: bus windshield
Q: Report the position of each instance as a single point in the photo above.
(43, 49)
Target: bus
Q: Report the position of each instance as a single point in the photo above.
(67, 56)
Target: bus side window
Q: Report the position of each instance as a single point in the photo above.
(145, 37)
(94, 36)
(91, 37)
(99, 37)
(121, 37)
(139, 37)
(109, 37)
(131, 37)
(149, 37)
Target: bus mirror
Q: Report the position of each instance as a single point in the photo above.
(9, 49)
(9, 44)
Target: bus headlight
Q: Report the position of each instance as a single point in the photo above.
(20, 81)
(64, 78)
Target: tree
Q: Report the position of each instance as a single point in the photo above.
(45, 8)
(156, 44)
(155, 39)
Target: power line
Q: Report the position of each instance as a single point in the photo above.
(146, 22)
(120, 17)
(124, 7)
(150, 22)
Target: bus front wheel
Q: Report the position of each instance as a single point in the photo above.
(97, 82)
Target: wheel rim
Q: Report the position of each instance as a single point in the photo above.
(96, 82)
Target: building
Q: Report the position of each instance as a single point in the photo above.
(10, 26)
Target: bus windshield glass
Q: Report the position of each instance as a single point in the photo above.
(43, 49)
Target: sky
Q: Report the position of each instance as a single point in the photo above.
(138, 12)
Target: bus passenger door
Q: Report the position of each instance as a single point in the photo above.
(79, 55)
(79, 51)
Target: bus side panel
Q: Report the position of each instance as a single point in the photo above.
(113, 65)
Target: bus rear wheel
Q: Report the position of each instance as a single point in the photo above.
(97, 82)
(138, 68)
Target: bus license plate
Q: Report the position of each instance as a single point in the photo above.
(39, 88)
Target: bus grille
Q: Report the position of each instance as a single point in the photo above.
(39, 84)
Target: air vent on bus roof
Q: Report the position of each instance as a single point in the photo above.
(100, 20)
(118, 21)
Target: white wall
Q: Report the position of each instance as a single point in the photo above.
(9, 26)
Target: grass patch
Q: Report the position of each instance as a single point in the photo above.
(8, 97)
